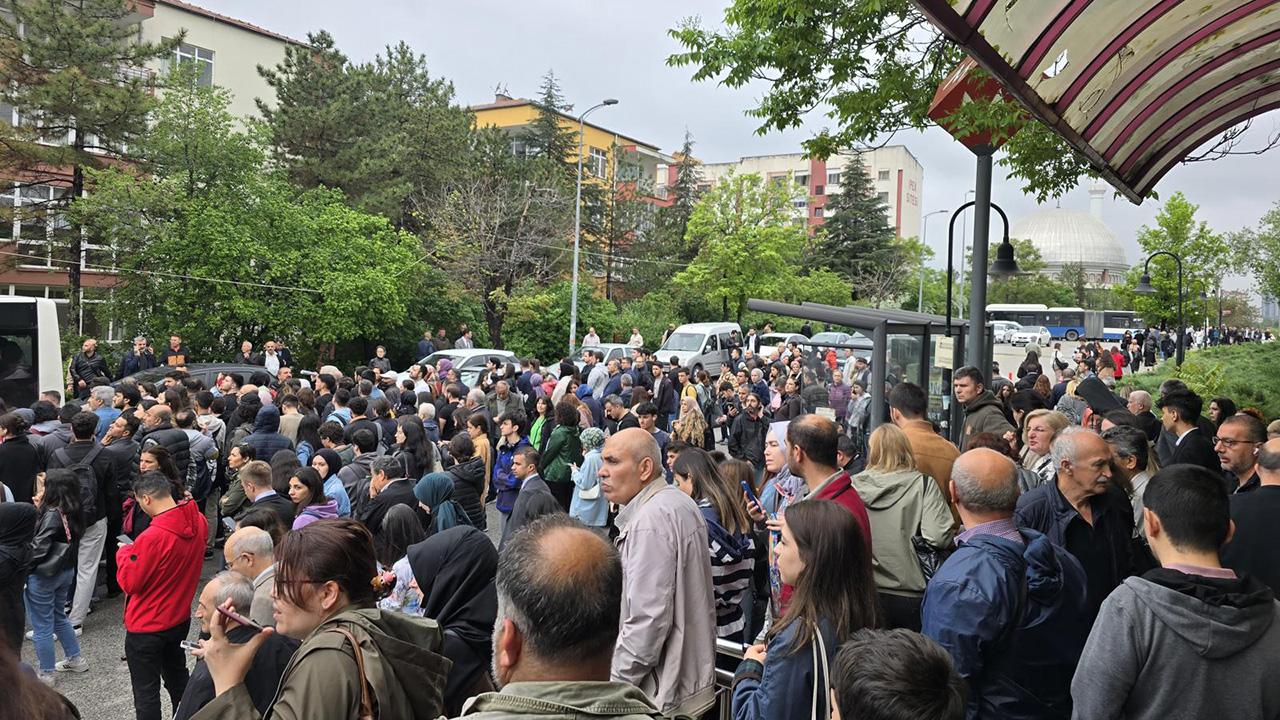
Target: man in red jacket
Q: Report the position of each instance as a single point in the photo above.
(159, 572)
(812, 441)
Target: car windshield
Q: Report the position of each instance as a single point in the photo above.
(684, 342)
(828, 337)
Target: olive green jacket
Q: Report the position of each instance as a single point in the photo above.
(562, 701)
(402, 662)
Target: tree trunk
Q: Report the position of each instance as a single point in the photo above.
(76, 245)
(493, 319)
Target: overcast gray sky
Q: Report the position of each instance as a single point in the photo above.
(606, 48)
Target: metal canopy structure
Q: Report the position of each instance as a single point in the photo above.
(1134, 85)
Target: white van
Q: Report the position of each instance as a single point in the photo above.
(699, 346)
(30, 350)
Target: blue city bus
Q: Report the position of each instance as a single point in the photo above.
(1069, 323)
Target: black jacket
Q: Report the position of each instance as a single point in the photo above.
(49, 530)
(747, 437)
(1255, 547)
(266, 439)
(468, 489)
(1104, 548)
(87, 368)
(278, 503)
(19, 463)
(527, 507)
(399, 492)
(132, 362)
(104, 468)
(240, 358)
(175, 441)
(261, 681)
(1195, 449)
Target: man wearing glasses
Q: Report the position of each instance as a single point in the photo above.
(1239, 439)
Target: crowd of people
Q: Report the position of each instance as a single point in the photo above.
(1072, 554)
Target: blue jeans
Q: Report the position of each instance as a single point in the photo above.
(46, 598)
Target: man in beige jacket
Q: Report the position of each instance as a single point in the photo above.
(666, 637)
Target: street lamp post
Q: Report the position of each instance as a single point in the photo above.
(924, 243)
(577, 226)
(1144, 287)
(964, 248)
(1005, 265)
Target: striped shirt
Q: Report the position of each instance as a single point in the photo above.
(732, 562)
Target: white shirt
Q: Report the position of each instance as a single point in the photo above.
(271, 362)
(1179, 442)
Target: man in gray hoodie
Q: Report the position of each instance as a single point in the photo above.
(1190, 638)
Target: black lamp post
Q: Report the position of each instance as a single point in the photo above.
(1144, 287)
(1005, 264)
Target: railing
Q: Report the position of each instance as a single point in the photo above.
(727, 654)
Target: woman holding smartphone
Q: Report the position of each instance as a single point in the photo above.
(53, 568)
(325, 596)
(824, 556)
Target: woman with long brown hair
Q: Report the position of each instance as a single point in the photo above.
(824, 556)
(351, 652)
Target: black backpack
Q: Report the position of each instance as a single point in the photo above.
(85, 475)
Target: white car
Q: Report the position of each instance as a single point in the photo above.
(469, 362)
(1002, 330)
(1025, 334)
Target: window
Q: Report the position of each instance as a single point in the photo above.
(819, 190)
(597, 161)
(817, 212)
(199, 55)
(8, 113)
(802, 179)
(520, 148)
(779, 179)
(884, 175)
(833, 178)
(799, 204)
(34, 220)
(884, 197)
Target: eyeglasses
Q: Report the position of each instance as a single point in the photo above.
(1231, 443)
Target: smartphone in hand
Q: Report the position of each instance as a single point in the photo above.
(233, 615)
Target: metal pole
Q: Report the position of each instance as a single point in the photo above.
(924, 244)
(1182, 326)
(880, 345)
(577, 230)
(964, 245)
(978, 273)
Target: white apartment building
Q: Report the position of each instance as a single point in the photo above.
(895, 173)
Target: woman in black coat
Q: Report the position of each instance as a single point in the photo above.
(19, 459)
(17, 528)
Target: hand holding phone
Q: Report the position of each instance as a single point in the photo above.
(124, 539)
(233, 615)
(189, 645)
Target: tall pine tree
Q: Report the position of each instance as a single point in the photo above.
(75, 72)
(549, 136)
(661, 249)
(856, 236)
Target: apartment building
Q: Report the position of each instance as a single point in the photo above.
(895, 173)
(227, 52)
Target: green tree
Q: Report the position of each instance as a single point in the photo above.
(217, 257)
(1205, 259)
(75, 72)
(386, 133)
(750, 245)
(662, 248)
(874, 66)
(548, 136)
(856, 240)
(503, 221)
(1260, 247)
(1031, 285)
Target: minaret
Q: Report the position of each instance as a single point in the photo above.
(1097, 191)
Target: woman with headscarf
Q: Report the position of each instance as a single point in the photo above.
(17, 528)
(435, 496)
(592, 511)
(455, 571)
(691, 427)
(328, 463)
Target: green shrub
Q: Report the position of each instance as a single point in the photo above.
(1249, 374)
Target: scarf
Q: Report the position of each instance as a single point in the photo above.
(435, 490)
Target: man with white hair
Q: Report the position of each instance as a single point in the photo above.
(1008, 605)
(269, 662)
(1084, 511)
(1139, 403)
(102, 403)
(250, 552)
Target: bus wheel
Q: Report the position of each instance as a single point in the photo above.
(1072, 335)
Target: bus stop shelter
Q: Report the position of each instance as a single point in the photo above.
(899, 338)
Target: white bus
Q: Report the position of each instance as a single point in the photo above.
(30, 350)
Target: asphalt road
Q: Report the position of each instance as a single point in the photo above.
(104, 692)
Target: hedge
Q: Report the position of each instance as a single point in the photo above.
(1249, 374)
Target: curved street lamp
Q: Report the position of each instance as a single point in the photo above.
(577, 226)
(1005, 264)
(1145, 288)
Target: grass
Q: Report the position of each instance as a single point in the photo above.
(1249, 374)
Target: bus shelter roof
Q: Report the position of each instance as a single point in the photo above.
(1133, 85)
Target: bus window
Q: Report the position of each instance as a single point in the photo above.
(19, 382)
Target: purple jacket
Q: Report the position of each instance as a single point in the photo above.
(326, 510)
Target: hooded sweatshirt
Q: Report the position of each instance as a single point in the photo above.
(402, 664)
(323, 511)
(983, 414)
(901, 504)
(159, 571)
(1170, 644)
(266, 439)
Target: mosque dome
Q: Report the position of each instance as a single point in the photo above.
(1066, 237)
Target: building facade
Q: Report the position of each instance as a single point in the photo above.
(896, 175)
(227, 52)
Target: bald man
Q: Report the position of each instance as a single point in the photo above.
(1008, 605)
(559, 591)
(666, 638)
(1084, 511)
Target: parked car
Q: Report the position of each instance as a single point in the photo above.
(207, 373)
(1038, 334)
(469, 362)
(841, 339)
(699, 345)
(1002, 330)
(772, 340)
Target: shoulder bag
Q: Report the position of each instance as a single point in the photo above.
(366, 693)
(820, 659)
(929, 557)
